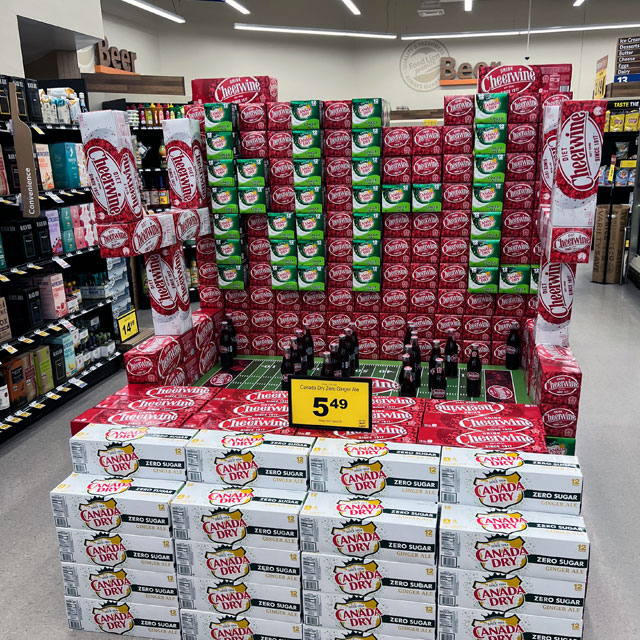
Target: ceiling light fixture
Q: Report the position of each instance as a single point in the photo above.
(468, 5)
(314, 32)
(578, 3)
(147, 6)
(352, 7)
(238, 7)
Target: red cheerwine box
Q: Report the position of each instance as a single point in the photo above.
(423, 301)
(260, 274)
(288, 301)
(379, 433)
(339, 275)
(207, 274)
(457, 168)
(244, 344)
(252, 116)
(423, 324)
(459, 110)
(201, 395)
(337, 114)
(258, 250)
(396, 170)
(457, 139)
(396, 250)
(339, 224)
(560, 377)
(397, 225)
(395, 276)
(337, 171)
(501, 327)
(553, 98)
(484, 350)
(444, 322)
(454, 250)
(367, 324)
(240, 318)
(395, 301)
(515, 251)
(426, 169)
(340, 300)
(532, 306)
(281, 172)
(263, 322)
(254, 144)
(521, 166)
(283, 199)
(524, 107)
(477, 329)
(456, 223)
(257, 225)
(153, 360)
(133, 403)
(452, 276)
(391, 348)
(339, 198)
(393, 325)
(456, 196)
(278, 116)
(210, 297)
(314, 301)
(425, 251)
(522, 138)
(127, 417)
(315, 321)
(425, 276)
(319, 345)
(396, 141)
(262, 299)
(236, 299)
(367, 301)
(481, 304)
(559, 422)
(338, 321)
(337, 143)
(517, 223)
(369, 348)
(519, 195)
(427, 141)
(451, 301)
(286, 321)
(339, 250)
(280, 144)
(426, 225)
(206, 328)
(235, 89)
(240, 424)
(498, 353)
(510, 305)
(263, 344)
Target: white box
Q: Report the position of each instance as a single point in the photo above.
(240, 599)
(471, 624)
(511, 594)
(120, 584)
(257, 460)
(143, 452)
(116, 550)
(541, 545)
(500, 480)
(138, 506)
(278, 567)
(395, 470)
(363, 615)
(387, 529)
(141, 620)
(225, 516)
(379, 578)
(199, 625)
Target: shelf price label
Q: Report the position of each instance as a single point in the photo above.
(10, 349)
(323, 403)
(128, 325)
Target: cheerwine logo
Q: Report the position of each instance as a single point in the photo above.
(458, 165)
(392, 347)
(113, 618)
(139, 366)
(108, 486)
(106, 551)
(339, 321)
(148, 417)
(516, 247)
(280, 141)
(146, 236)
(206, 246)
(480, 301)
(397, 137)
(338, 139)
(396, 273)
(287, 298)
(523, 134)
(101, 515)
(426, 165)
(228, 564)
(422, 324)
(425, 248)
(502, 521)
(368, 346)
(231, 630)
(391, 416)
(280, 113)
(287, 320)
(498, 423)
(502, 554)
(477, 326)
(426, 137)
(426, 273)
(524, 105)
(367, 298)
(263, 424)
(225, 527)
(396, 167)
(562, 385)
(337, 111)
(119, 460)
(338, 167)
(253, 140)
(187, 224)
(393, 323)
(313, 321)
(510, 78)
(260, 271)
(239, 89)
(210, 295)
(356, 540)
(358, 578)
(182, 169)
(229, 599)
(110, 585)
(499, 627)
(454, 247)
(340, 247)
(359, 615)
(113, 238)
(456, 193)
(161, 283)
(520, 163)
(274, 397)
(572, 241)
(340, 272)
(366, 322)
(499, 490)
(510, 302)
(381, 385)
(282, 169)
(459, 107)
(396, 248)
(252, 113)
(363, 478)
(556, 289)
(394, 298)
(499, 594)
(456, 408)
(259, 247)
(449, 322)
(262, 319)
(397, 221)
(423, 298)
(458, 136)
(559, 418)
(257, 222)
(261, 296)
(517, 220)
(451, 298)
(339, 195)
(340, 221)
(256, 408)
(236, 469)
(263, 343)
(519, 192)
(178, 392)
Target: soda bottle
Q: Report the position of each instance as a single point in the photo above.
(408, 384)
(226, 347)
(295, 357)
(352, 356)
(474, 369)
(335, 361)
(302, 351)
(435, 354)
(451, 356)
(234, 338)
(356, 347)
(439, 390)
(406, 362)
(327, 369)
(343, 354)
(410, 329)
(416, 356)
(308, 345)
(286, 369)
(513, 348)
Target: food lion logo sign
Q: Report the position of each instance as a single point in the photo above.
(499, 490)
(113, 618)
(502, 555)
(359, 615)
(420, 65)
(228, 564)
(358, 578)
(499, 594)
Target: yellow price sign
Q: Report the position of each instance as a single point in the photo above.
(612, 170)
(128, 325)
(319, 403)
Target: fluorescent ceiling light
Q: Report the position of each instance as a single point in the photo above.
(147, 6)
(352, 7)
(468, 5)
(314, 32)
(238, 7)
(522, 32)
(577, 3)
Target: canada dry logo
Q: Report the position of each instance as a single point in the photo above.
(106, 551)
(225, 527)
(126, 433)
(228, 564)
(359, 509)
(111, 585)
(420, 64)
(237, 468)
(101, 515)
(499, 594)
(231, 630)
(498, 627)
(499, 459)
(358, 578)
(356, 540)
(230, 599)
(502, 521)
(118, 459)
(502, 555)
(359, 615)
(113, 618)
(363, 478)
(499, 490)
(108, 486)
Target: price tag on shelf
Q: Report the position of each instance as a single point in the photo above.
(18, 272)
(628, 164)
(318, 403)
(52, 396)
(81, 384)
(56, 198)
(65, 193)
(37, 267)
(4, 427)
(23, 414)
(61, 262)
(67, 325)
(25, 340)
(63, 389)
(5, 201)
(37, 405)
(128, 325)
(13, 419)
(430, 122)
(37, 129)
(41, 198)
(612, 170)
(41, 332)
(4, 278)
(54, 327)
(9, 349)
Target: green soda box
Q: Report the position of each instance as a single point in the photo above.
(308, 199)
(484, 252)
(311, 278)
(489, 168)
(284, 277)
(220, 116)
(231, 276)
(490, 138)
(426, 197)
(224, 200)
(483, 279)
(367, 226)
(366, 143)
(366, 278)
(221, 173)
(220, 145)
(307, 144)
(305, 114)
(369, 112)
(251, 173)
(310, 226)
(252, 199)
(367, 253)
(281, 226)
(396, 198)
(228, 251)
(487, 197)
(486, 225)
(561, 446)
(307, 173)
(367, 199)
(310, 253)
(492, 108)
(226, 226)
(534, 278)
(283, 252)
(514, 278)
(366, 171)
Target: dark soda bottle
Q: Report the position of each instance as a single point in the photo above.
(512, 361)
(474, 371)
(352, 356)
(226, 347)
(327, 369)
(435, 354)
(408, 384)
(295, 356)
(286, 369)
(416, 356)
(336, 366)
(343, 354)
(302, 351)
(308, 345)
(406, 362)
(451, 356)
(234, 337)
(356, 347)
(410, 329)
(439, 390)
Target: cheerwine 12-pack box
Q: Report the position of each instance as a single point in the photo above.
(201, 395)
(202, 625)
(385, 528)
(513, 479)
(127, 239)
(375, 469)
(368, 577)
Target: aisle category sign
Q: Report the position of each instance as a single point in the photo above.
(325, 403)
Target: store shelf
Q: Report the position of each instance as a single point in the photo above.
(39, 127)
(147, 127)
(152, 170)
(616, 187)
(622, 134)
(37, 265)
(49, 402)
(13, 199)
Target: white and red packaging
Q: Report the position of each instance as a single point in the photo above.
(254, 144)
(425, 276)
(339, 275)
(397, 169)
(128, 239)
(206, 327)
(427, 141)
(258, 250)
(281, 172)
(455, 223)
(288, 301)
(519, 195)
(501, 327)
(338, 171)
(524, 78)
(457, 168)
(339, 250)
(510, 304)
(395, 276)
(238, 299)
(425, 250)
(338, 321)
(451, 301)
(559, 421)
(262, 299)
(554, 98)
(522, 138)
(391, 348)
(252, 116)
(457, 139)
(367, 324)
(452, 275)
(280, 144)
(456, 196)
(515, 250)
(555, 303)
(521, 166)
(313, 301)
(524, 108)
(210, 296)
(260, 274)
(481, 304)
(423, 301)
(337, 114)
(340, 300)
(397, 141)
(315, 321)
(263, 344)
(339, 198)
(339, 224)
(257, 225)
(444, 322)
(425, 169)
(459, 110)
(153, 360)
(337, 143)
(484, 349)
(393, 325)
(424, 325)
(263, 322)
(454, 250)
(191, 223)
(283, 199)
(397, 225)
(517, 223)
(426, 225)
(237, 89)
(396, 250)
(498, 353)
(367, 301)
(278, 116)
